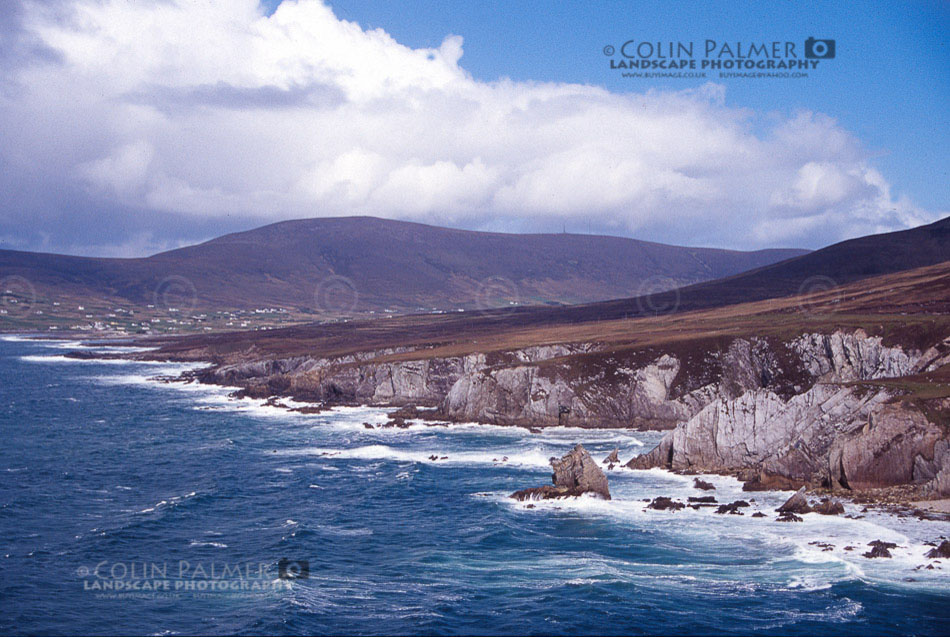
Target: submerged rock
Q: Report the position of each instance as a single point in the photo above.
(702, 484)
(547, 492)
(574, 474)
(663, 503)
(732, 508)
(703, 499)
(788, 517)
(829, 507)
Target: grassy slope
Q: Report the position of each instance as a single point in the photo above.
(911, 307)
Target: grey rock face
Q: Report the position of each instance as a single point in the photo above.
(526, 394)
(833, 433)
(842, 357)
(759, 429)
(895, 439)
(578, 471)
(940, 483)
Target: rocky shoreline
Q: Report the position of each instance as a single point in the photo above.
(576, 474)
(841, 413)
(814, 411)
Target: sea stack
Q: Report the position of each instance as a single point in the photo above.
(576, 473)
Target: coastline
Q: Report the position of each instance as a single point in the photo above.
(905, 500)
(382, 443)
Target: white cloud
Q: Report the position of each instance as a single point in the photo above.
(123, 172)
(211, 108)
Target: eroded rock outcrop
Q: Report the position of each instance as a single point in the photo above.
(830, 436)
(896, 445)
(836, 433)
(829, 506)
(557, 394)
(576, 473)
(843, 356)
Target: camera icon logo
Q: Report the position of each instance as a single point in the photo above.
(293, 569)
(819, 49)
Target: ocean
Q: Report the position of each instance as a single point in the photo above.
(133, 506)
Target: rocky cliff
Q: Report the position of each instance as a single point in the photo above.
(813, 409)
(839, 433)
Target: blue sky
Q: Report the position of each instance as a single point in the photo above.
(135, 127)
(889, 82)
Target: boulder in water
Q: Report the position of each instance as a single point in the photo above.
(788, 517)
(829, 506)
(702, 484)
(575, 474)
(880, 549)
(942, 551)
(663, 503)
(732, 508)
(796, 504)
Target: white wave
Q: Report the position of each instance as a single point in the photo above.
(798, 549)
(22, 338)
(334, 530)
(170, 502)
(91, 346)
(592, 436)
(217, 545)
(38, 358)
(156, 377)
(522, 458)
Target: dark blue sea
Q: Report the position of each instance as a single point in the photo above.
(129, 506)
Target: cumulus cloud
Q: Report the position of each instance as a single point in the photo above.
(182, 118)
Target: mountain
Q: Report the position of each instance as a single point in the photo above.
(835, 265)
(868, 275)
(364, 263)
